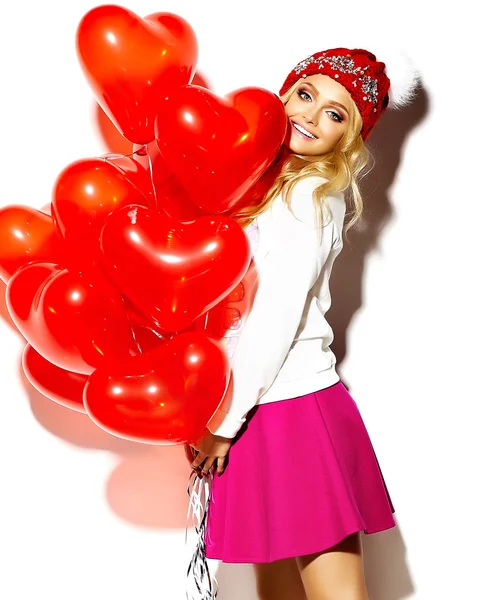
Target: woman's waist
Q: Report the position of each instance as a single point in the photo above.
(300, 384)
(307, 356)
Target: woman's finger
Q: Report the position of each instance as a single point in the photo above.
(221, 464)
(198, 461)
(190, 453)
(208, 464)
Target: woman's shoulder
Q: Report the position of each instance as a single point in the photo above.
(308, 184)
(297, 221)
(302, 206)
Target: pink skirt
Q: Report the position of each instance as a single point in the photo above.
(301, 476)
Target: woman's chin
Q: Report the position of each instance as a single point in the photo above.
(302, 147)
(300, 150)
(294, 146)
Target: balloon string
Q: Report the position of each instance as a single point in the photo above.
(132, 331)
(112, 155)
(199, 576)
(151, 171)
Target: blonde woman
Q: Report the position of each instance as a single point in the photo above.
(297, 479)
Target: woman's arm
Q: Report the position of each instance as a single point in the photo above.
(286, 275)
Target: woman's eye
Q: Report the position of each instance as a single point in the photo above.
(305, 95)
(337, 117)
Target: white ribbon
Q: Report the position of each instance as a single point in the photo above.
(200, 584)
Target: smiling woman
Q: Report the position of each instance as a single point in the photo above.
(318, 109)
(287, 416)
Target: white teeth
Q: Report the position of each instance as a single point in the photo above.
(304, 131)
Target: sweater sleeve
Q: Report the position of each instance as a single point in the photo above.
(286, 274)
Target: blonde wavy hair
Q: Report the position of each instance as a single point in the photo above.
(343, 168)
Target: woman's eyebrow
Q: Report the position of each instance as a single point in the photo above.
(333, 102)
(339, 104)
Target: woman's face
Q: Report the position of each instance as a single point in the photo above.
(318, 112)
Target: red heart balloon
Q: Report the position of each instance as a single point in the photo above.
(130, 62)
(64, 387)
(219, 147)
(85, 193)
(166, 396)
(173, 272)
(26, 235)
(73, 321)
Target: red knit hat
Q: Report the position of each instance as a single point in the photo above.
(358, 71)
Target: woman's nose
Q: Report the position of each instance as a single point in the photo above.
(310, 118)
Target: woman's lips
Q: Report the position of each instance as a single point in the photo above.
(300, 134)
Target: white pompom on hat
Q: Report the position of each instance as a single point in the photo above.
(402, 73)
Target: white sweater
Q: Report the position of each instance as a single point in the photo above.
(284, 350)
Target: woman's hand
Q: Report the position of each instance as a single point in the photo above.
(211, 449)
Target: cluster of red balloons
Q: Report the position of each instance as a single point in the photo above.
(113, 286)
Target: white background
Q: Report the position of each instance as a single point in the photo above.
(86, 515)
